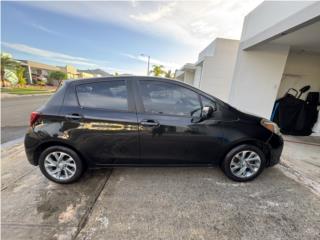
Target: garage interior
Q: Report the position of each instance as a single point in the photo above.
(302, 69)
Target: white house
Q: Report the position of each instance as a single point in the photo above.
(214, 68)
(279, 49)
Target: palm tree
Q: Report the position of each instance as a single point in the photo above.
(158, 70)
(20, 74)
(169, 74)
(7, 62)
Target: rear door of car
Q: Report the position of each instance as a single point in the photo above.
(107, 131)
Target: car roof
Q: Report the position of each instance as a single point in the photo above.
(85, 80)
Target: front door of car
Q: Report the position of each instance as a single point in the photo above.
(108, 131)
(168, 127)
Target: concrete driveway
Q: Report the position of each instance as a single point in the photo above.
(154, 203)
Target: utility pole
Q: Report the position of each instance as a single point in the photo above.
(148, 69)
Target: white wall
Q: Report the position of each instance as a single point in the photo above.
(197, 75)
(189, 77)
(302, 68)
(257, 77)
(218, 69)
(208, 51)
(270, 13)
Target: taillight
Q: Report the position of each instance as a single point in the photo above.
(34, 117)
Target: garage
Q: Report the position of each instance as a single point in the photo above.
(299, 88)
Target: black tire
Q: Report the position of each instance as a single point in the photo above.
(78, 162)
(225, 164)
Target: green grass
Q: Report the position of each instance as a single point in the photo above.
(25, 91)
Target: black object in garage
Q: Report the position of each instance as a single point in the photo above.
(294, 115)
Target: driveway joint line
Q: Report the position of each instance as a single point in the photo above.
(87, 214)
(17, 179)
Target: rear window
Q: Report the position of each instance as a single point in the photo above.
(104, 95)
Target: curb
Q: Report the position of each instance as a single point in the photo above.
(7, 95)
(12, 143)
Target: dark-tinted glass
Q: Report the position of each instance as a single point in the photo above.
(167, 98)
(105, 95)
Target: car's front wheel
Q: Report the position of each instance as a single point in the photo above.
(60, 164)
(244, 163)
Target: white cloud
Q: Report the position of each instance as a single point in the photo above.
(151, 16)
(192, 23)
(152, 60)
(44, 29)
(52, 56)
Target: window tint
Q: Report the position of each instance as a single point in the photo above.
(207, 102)
(106, 95)
(166, 98)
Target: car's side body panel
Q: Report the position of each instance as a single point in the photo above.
(116, 138)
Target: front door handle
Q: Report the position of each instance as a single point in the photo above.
(149, 123)
(74, 116)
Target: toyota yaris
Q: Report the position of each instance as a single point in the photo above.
(146, 121)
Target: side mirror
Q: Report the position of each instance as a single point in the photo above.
(207, 111)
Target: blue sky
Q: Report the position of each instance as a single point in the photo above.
(112, 35)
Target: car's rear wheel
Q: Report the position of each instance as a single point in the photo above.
(244, 163)
(60, 164)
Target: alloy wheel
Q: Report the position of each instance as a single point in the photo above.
(60, 165)
(245, 164)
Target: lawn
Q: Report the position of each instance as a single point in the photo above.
(27, 90)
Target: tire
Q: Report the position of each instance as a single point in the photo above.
(70, 165)
(233, 161)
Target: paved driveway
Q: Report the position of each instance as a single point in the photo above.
(154, 203)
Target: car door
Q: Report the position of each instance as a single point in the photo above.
(168, 132)
(108, 130)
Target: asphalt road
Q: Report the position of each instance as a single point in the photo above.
(15, 113)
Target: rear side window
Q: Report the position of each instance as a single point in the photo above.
(166, 98)
(104, 95)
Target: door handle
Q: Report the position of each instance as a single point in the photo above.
(149, 123)
(74, 116)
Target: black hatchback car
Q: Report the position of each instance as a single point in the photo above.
(146, 121)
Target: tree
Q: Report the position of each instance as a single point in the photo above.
(158, 70)
(57, 75)
(169, 74)
(7, 62)
(116, 74)
(20, 74)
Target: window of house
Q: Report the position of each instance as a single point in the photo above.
(166, 98)
(105, 95)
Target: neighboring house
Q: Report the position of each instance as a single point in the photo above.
(36, 71)
(186, 73)
(279, 49)
(213, 70)
(96, 72)
(71, 71)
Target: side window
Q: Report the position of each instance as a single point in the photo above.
(206, 102)
(105, 95)
(166, 98)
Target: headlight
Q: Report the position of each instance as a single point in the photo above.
(271, 126)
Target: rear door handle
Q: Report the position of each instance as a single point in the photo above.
(149, 123)
(74, 116)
